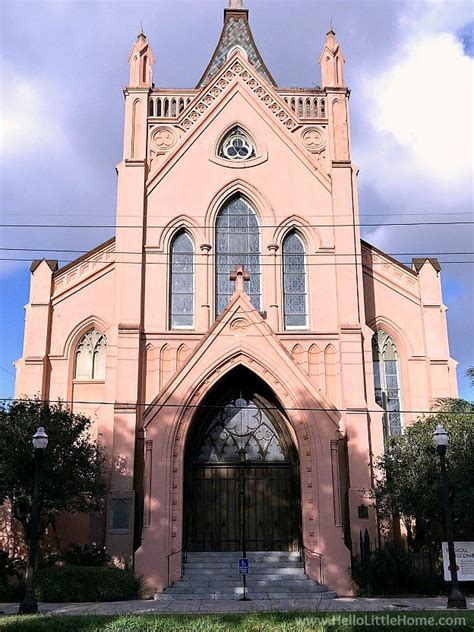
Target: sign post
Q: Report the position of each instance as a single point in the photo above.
(243, 570)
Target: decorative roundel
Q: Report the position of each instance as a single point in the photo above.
(237, 146)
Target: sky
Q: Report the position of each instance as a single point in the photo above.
(409, 66)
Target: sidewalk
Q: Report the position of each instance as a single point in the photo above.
(343, 604)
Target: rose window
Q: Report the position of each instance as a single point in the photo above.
(237, 146)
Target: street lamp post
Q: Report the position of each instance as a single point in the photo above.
(29, 605)
(441, 439)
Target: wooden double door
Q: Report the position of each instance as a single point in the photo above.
(242, 486)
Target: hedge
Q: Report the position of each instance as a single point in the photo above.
(86, 583)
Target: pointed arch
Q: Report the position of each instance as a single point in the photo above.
(260, 204)
(238, 241)
(313, 363)
(385, 358)
(150, 362)
(181, 281)
(165, 364)
(330, 367)
(181, 355)
(181, 222)
(90, 356)
(297, 353)
(134, 129)
(295, 292)
(308, 233)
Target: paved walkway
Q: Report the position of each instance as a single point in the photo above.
(345, 604)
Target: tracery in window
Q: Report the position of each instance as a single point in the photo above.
(294, 282)
(237, 242)
(387, 381)
(237, 146)
(89, 358)
(241, 429)
(182, 282)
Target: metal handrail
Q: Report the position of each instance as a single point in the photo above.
(169, 556)
(321, 561)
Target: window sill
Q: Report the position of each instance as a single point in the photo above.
(88, 381)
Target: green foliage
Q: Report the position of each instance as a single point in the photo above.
(86, 583)
(73, 477)
(11, 577)
(85, 555)
(252, 622)
(409, 483)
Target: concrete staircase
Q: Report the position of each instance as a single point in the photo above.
(272, 575)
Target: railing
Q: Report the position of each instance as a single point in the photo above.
(183, 560)
(306, 106)
(169, 105)
(305, 550)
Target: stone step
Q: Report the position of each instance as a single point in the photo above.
(234, 564)
(297, 573)
(238, 590)
(252, 595)
(251, 555)
(217, 582)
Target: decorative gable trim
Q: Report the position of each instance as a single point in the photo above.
(238, 67)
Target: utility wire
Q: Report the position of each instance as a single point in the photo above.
(213, 226)
(218, 407)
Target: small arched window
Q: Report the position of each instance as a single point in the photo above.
(237, 145)
(89, 358)
(387, 381)
(182, 282)
(294, 282)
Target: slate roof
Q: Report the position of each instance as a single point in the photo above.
(235, 32)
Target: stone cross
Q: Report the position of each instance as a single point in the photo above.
(239, 275)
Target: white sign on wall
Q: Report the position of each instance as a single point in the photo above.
(464, 561)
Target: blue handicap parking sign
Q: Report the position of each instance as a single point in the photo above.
(243, 566)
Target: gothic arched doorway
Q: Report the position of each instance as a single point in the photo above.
(242, 474)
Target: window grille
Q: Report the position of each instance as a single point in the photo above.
(89, 359)
(294, 282)
(237, 146)
(182, 282)
(237, 242)
(387, 382)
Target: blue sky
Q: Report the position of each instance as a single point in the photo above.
(409, 66)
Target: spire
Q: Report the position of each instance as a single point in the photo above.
(141, 62)
(236, 35)
(332, 61)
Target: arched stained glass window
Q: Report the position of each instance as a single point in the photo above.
(387, 381)
(241, 430)
(182, 282)
(237, 242)
(294, 282)
(89, 358)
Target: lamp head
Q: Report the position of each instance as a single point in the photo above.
(40, 439)
(440, 437)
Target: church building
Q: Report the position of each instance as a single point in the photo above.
(243, 353)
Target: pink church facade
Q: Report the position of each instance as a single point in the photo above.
(237, 323)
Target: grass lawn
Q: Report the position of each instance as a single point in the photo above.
(262, 622)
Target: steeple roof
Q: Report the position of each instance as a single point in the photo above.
(235, 32)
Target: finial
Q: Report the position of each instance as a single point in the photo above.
(236, 4)
(141, 34)
(331, 30)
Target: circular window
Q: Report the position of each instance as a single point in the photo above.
(237, 146)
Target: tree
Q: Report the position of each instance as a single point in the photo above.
(74, 465)
(470, 374)
(408, 483)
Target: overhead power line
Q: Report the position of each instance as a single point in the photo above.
(218, 407)
(213, 226)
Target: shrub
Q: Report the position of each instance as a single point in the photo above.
(86, 583)
(85, 555)
(11, 577)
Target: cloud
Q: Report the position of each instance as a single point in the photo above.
(410, 102)
(29, 114)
